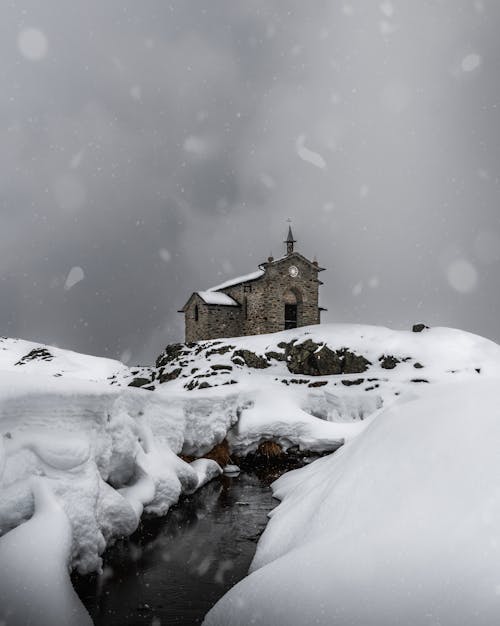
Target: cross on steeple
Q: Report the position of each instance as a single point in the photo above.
(289, 240)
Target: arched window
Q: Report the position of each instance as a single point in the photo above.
(196, 313)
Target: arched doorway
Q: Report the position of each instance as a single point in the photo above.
(292, 301)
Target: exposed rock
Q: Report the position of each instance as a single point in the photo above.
(388, 362)
(204, 385)
(418, 328)
(250, 359)
(277, 356)
(350, 383)
(171, 353)
(221, 367)
(419, 380)
(418, 365)
(312, 359)
(221, 350)
(318, 383)
(354, 363)
(37, 354)
(192, 384)
(139, 382)
(164, 377)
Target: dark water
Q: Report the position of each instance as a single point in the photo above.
(174, 569)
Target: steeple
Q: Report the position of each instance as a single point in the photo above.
(290, 241)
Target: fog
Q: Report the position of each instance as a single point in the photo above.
(152, 149)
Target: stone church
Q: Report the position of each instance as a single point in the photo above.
(281, 294)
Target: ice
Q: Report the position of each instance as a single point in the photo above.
(75, 275)
(32, 44)
(314, 158)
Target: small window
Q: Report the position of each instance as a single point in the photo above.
(196, 313)
(247, 288)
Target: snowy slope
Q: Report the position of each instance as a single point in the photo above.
(265, 400)
(17, 355)
(401, 526)
(102, 452)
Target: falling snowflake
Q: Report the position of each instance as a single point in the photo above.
(462, 276)
(75, 275)
(164, 255)
(308, 155)
(32, 44)
(471, 62)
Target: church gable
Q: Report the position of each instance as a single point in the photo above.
(281, 294)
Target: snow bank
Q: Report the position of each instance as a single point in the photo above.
(35, 587)
(399, 526)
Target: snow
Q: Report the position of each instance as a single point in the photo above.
(314, 158)
(32, 44)
(75, 275)
(35, 587)
(214, 297)
(471, 62)
(106, 453)
(399, 526)
(237, 281)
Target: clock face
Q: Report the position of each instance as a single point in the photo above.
(293, 271)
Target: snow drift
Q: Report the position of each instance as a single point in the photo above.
(400, 526)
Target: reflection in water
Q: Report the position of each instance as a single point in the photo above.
(174, 569)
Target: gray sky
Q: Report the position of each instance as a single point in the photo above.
(149, 149)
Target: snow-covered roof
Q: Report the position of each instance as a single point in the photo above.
(237, 281)
(215, 297)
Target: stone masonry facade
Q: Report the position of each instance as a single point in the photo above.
(287, 286)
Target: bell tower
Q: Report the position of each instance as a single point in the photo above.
(290, 241)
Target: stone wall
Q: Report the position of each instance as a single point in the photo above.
(262, 303)
(213, 321)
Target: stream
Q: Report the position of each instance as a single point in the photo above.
(172, 570)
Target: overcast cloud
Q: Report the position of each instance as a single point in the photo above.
(150, 149)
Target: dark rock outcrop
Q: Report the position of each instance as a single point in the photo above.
(37, 354)
(312, 359)
(139, 382)
(418, 328)
(172, 353)
(250, 359)
(388, 362)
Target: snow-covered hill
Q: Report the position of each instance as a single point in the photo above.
(17, 355)
(87, 444)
